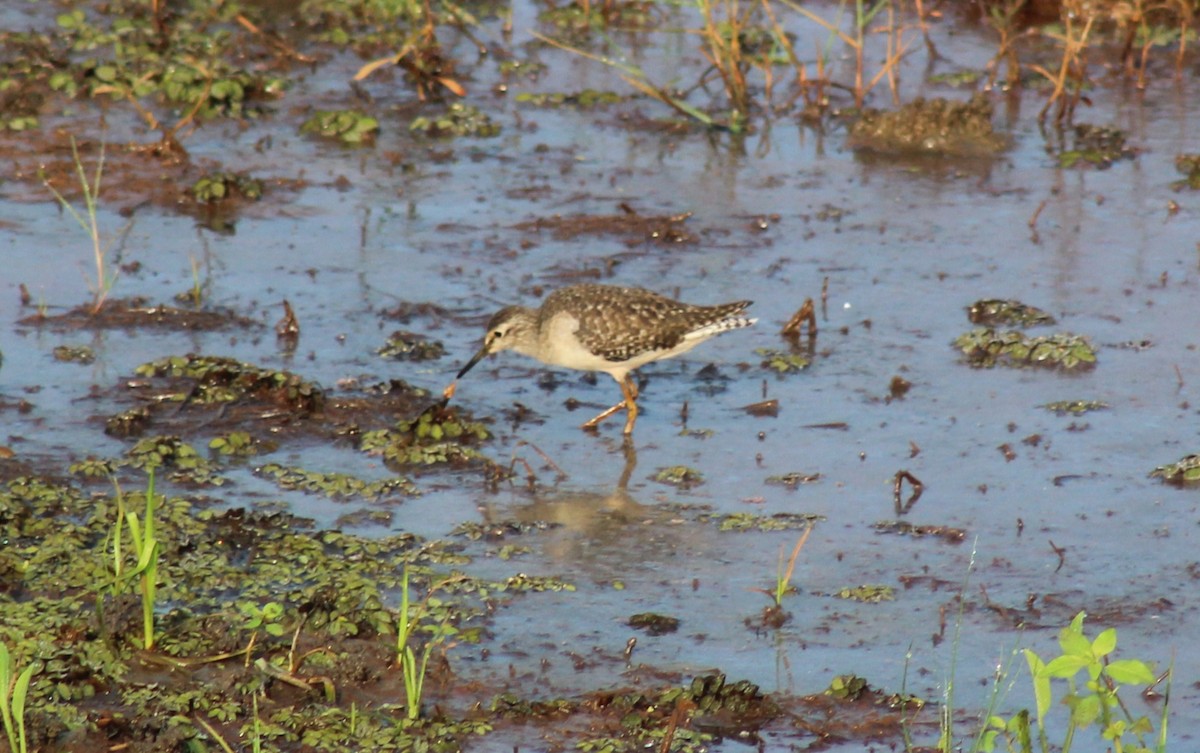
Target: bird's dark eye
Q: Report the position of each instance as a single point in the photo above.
(497, 334)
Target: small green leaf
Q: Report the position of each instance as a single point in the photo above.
(1130, 672)
(1105, 643)
(1066, 666)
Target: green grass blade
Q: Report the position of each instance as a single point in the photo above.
(19, 694)
(5, 684)
(1162, 727)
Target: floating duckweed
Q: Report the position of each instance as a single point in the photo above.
(185, 463)
(336, 485)
(847, 687)
(186, 65)
(59, 612)
(74, 354)
(993, 311)
(93, 468)
(711, 693)
(1074, 407)
(573, 19)
(513, 707)
(437, 424)
(407, 346)
(536, 583)
(458, 120)
(1098, 146)
(904, 528)
(495, 531)
(238, 444)
(1185, 471)
(396, 449)
(747, 521)
(782, 361)
(793, 479)
(347, 126)
(680, 476)
(217, 379)
(870, 593)
(586, 99)
(437, 436)
(219, 186)
(1187, 165)
(986, 347)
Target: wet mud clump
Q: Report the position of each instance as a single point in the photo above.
(127, 313)
(637, 228)
(929, 127)
(992, 312)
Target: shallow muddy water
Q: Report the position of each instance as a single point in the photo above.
(906, 247)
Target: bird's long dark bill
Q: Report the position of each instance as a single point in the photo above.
(474, 360)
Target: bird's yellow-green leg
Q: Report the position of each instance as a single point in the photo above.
(629, 392)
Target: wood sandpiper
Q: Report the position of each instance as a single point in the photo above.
(606, 328)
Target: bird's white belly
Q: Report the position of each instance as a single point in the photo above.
(559, 346)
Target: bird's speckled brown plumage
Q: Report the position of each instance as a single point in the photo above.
(621, 323)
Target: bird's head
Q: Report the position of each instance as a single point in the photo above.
(509, 328)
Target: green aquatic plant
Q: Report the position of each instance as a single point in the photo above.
(1075, 407)
(985, 347)
(437, 436)
(169, 452)
(14, 691)
(265, 617)
(679, 476)
(219, 186)
(74, 353)
(146, 550)
(208, 380)
(145, 547)
(1096, 703)
(781, 361)
(235, 443)
(1187, 165)
(783, 575)
(870, 593)
(1095, 146)
(407, 625)
(105, 279)
(408, 346)
(1185, 471)
(348, 126)
(458, 120)
(847, 687)
(585, 99)
(336, 485)
(748, 521)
